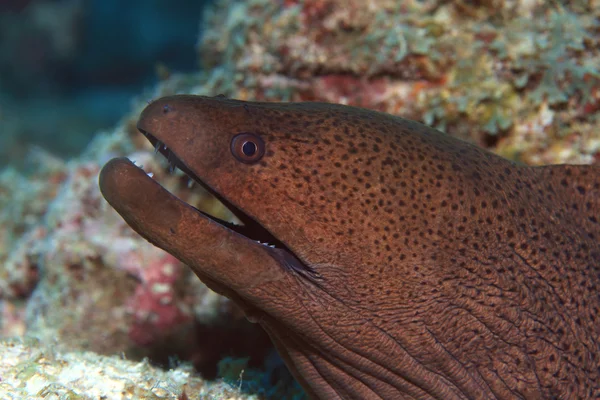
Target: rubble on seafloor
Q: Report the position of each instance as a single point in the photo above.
(73, 274)
(29, 370)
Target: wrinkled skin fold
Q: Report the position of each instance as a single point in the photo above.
(407, 264)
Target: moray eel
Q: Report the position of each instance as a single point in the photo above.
(384, 258)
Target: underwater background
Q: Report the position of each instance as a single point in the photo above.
(87, 307)
(69, 68)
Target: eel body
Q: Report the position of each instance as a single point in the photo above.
(400, 263)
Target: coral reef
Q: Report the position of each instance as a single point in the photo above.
(102, 288)
(484, 71)
(30, 370)
(23, 203)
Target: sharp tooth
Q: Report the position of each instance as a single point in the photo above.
(157, 146)
(190, 183)
(150, 174)
(266, 244)
(172, 160)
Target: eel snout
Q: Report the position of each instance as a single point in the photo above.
(228, 262)
(150, 209)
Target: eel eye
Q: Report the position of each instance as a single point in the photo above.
(247, 147)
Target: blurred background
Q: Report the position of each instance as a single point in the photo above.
(69, 68)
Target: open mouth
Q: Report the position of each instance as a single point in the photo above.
(250, 229)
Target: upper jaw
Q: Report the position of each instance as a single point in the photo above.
(250, 228)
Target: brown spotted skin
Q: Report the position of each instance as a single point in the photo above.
(443, 271)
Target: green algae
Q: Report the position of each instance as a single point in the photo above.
(552, 57)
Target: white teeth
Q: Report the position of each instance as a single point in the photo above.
(150, 174)
(190, 184)
(140, 166)
(266, 244)
(157, 146)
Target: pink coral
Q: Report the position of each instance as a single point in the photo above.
(154, 304)
(347, 89)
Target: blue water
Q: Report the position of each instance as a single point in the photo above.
(69, 70)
